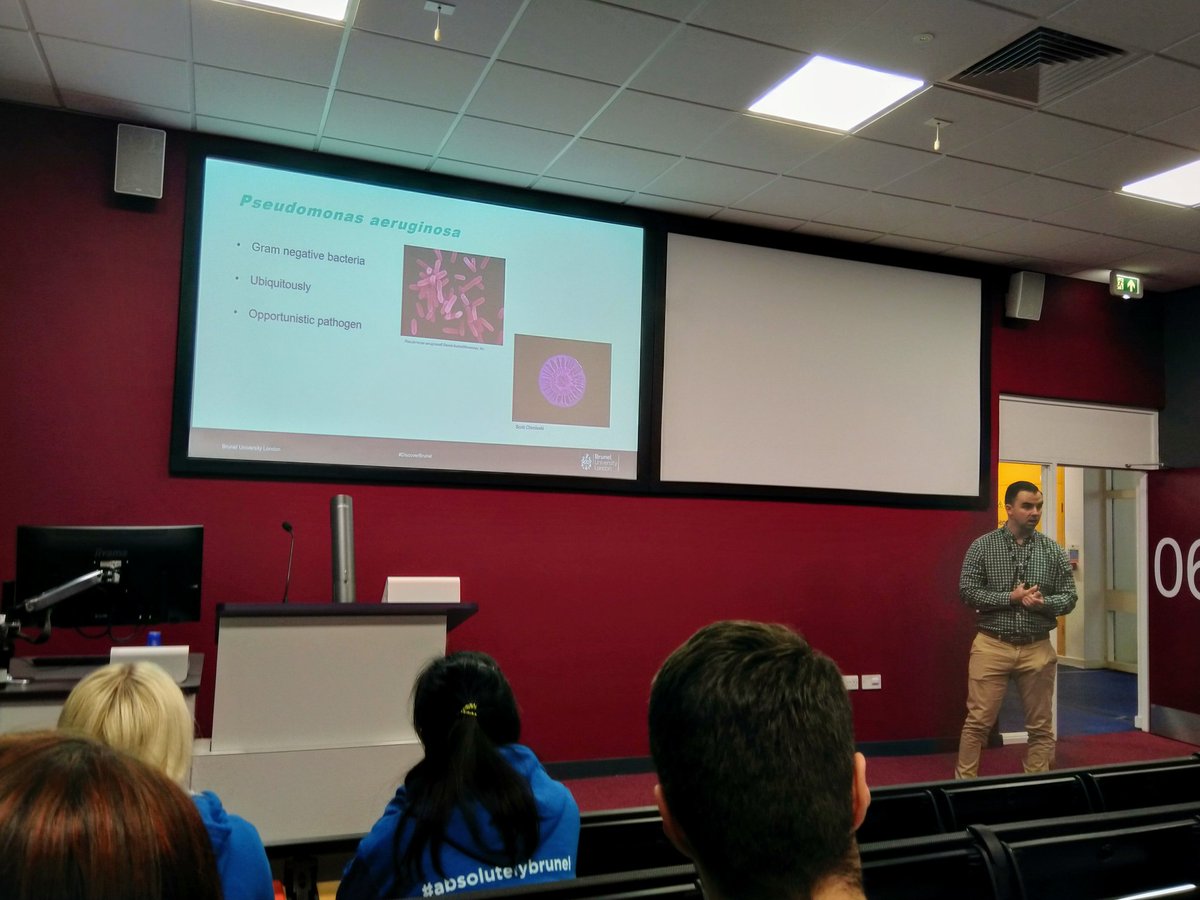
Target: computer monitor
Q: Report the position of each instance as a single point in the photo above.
(148, 574)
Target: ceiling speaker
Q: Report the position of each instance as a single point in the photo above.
(1024, 300)
(140, 153)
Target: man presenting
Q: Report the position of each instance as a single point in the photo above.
(1018, 581)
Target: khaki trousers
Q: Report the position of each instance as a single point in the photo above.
(1033, 667)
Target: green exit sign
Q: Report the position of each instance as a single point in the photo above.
(1123, 284)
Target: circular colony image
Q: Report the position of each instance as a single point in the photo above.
(562, 381)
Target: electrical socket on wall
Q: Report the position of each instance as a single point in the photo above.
(851, 682)
(872, 682)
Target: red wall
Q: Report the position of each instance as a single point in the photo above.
(580, 596)
(1174, 622)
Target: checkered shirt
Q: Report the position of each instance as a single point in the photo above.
(993, 566)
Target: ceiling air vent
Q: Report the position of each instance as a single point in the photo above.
(1042, 66)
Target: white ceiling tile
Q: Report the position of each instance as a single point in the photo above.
(12, 16)
(611, 165)
(1169, 226)
(947, 224)
(372, 153)
(916, 245)
(678, 207)
(953, 181)
(23, 77)
(563, 103)
(1183, 129)
(885, 40)
(1037, 8)
(972, 118)
(475, 27)
(383, 123)
(1104, 211)
(1035, 197)
(414, 73)
(136, 113)
(839, 232)
(669, 9)
(1033, 238)
(1162, 261)
(685, 69)
(636, 120)
(709, 182)
(1097, 249)
(813, 26)
(580, 189)
(1146, 24)
(758, 220)
(158, 27)
(496, 145)
(796, 198)
(460, 169)
(770, 146)
(102, 71)
(1133, 97)
(977, 254)
(252, 132)
(259, 101)
(1187, 50)
(584, 38)
(858, 162)
(237, 37)
(1123, 161)
(1036, 142)
(915, 218)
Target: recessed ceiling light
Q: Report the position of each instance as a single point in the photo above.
(829, 93)
(326, 10)
(1180, 186)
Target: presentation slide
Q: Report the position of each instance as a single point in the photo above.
(353, 324)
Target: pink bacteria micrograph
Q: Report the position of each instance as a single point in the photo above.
(562, 381)
(454, 296)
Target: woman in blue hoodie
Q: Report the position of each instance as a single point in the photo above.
(139, 709)
(478, 811)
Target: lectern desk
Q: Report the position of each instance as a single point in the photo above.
(312, 728)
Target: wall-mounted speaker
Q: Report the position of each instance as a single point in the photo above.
(1024, 300)
(140, 153)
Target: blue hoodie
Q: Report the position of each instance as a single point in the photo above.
(241, 859)
(371, 874)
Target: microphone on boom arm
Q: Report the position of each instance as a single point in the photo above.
(287, 526)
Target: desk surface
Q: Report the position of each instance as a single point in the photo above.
(455, 613)
(49, 682)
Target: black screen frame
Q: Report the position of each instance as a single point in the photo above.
(202, 148)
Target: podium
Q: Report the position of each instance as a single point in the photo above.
(312, 725)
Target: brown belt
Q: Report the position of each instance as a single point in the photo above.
(1017, 640)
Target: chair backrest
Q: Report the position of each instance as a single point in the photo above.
(933, 867)
(1151, 786)
(677, 882)
(1014, 801)
(897, 814)
(1105, 864)
(624, 840)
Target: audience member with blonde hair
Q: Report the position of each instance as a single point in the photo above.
(82, 821)
(139, 709)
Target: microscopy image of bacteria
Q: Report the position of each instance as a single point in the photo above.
(453, 296)
(562, 380)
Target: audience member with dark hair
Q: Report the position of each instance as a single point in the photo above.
(759, 784)
(82, 821)
(138, 708)
(478, 811)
